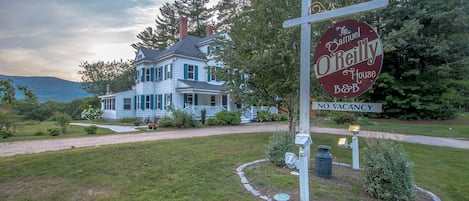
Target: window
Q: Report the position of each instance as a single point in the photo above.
(147, 74)
(159, 74)
(169, 98)
(109, 104)
(189, 99)
(168, 71)
(212, 100)
(147, 102)
(190, 72)
(159, 102)
(127, 103)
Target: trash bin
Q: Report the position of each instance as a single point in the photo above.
(323, 162)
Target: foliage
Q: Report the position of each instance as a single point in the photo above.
(7, 118)
(91, 113)
(182, 119)
(279, 144)
(128, 120)
(203, 115)
(62, 120)
(5, 134)
(53, 131)
(165, 33)
(345, 118)
(226, 118)
(7, 92)
(213, 122)
(100, 76)
(279, 117)
(39, 133)
(426, 65)
(264, 115)
(90, 130)
(388, 172)
(261, 58)
(165, 122)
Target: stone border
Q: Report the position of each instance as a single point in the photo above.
(256, 193)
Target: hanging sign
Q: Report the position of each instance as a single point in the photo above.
(348, 59)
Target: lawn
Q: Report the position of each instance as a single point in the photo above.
(190, 169)
(450, 129)
(35, 130)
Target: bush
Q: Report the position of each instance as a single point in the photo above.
(279, 117)
(39, 133)
(182, 119)
(280, 143)
(62, 120)
(5, 134)
(129, 120)
(165, 122)
(213, 122)
(264, 115)
(90, 130)
(345, 118)
(388, 173)
(228, 118)
(53, 131)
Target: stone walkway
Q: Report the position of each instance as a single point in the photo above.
(37, 146)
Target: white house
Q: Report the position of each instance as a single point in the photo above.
(180, 77)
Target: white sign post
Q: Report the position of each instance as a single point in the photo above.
(305, 63)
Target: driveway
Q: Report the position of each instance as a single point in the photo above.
(37, 146)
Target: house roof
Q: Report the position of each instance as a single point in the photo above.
(186, 47)
(201, 85)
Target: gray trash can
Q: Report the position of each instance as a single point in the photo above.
(323, 162)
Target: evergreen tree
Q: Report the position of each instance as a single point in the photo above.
(426, 65)
(197, 13)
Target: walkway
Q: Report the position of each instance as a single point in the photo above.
(37, 146)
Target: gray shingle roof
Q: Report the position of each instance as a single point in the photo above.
(186, 47)
(203, 85)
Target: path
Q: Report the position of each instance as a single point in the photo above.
(37, 146)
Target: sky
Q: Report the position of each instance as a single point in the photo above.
(52, 37)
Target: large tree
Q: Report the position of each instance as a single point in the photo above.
(426, 65)
(166, 30)
(97, 77)
(262, 58)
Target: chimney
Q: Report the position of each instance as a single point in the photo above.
(208, 30)
(182, 28)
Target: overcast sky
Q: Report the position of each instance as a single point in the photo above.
(52, 37)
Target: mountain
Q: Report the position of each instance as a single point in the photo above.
(48, 88)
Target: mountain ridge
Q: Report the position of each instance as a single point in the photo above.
(48, 88)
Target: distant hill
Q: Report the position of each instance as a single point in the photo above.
(48, 88)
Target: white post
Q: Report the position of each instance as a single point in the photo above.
(355, 153)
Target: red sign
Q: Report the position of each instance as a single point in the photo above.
(348, 59)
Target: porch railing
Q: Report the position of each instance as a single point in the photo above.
(196, 110)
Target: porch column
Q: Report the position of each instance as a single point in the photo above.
(228, 102)
(193, 103)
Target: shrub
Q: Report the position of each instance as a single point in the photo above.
(388, 173)
(264, 115)
(90, 130)
(213, 122)
(91, 113)
(165, 122)
(279, 117)
(38, 133)
(182, 119)
(280, 143)
(345, 118)
(53, 131)
(203, 115)
(62, 120)
(5, 134)
(228, 118)
(129, 120)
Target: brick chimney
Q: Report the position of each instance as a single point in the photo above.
(182, 28)
(208, 30)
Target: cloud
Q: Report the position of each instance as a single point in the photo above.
(51, 38)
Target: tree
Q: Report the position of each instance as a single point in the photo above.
(97, 77)
(7, 92)
(426, 65)
(262, 58)
(226, 10)
(166, 31)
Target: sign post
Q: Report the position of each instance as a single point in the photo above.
(305, 21)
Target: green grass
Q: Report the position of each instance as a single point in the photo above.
(35, 130)
(435, 129)
(190, 169)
